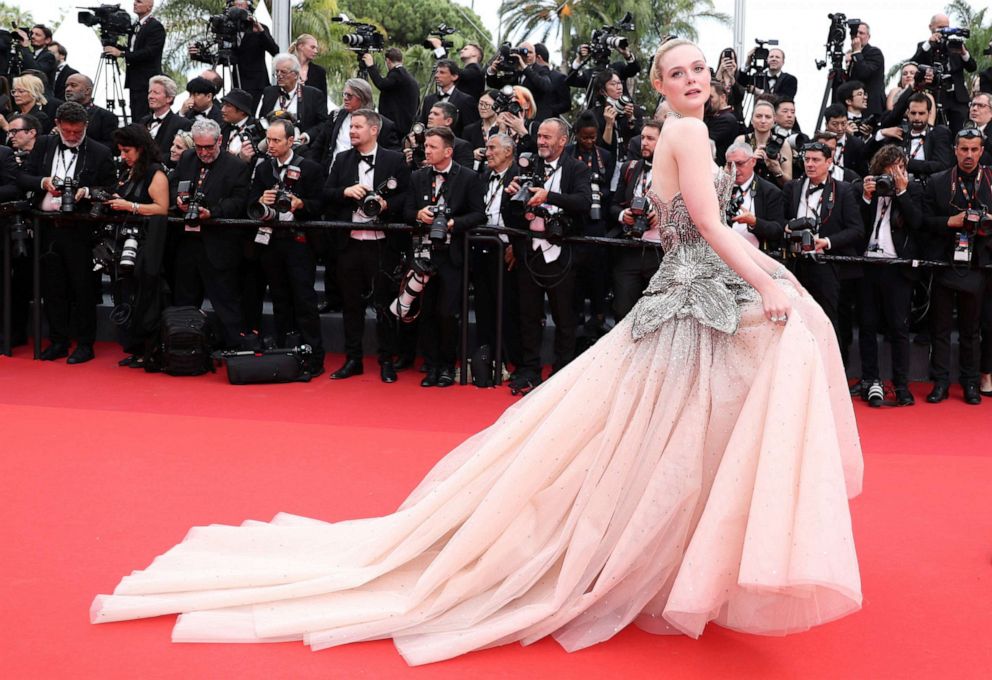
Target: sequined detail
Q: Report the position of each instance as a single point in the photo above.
(692, 280)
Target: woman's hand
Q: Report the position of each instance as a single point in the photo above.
(776, 303)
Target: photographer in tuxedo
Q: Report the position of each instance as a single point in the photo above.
(928, 147)
(142, 56)
(20, 265)
(70, 296)
(240, 132)
(334, 136)
(451, 196)
(833, 206)
(285, 189)
(891, 214)
(559, 204)
(446, 75)
(956, 214)
(399, 93)
(161, 122)
(634, 267)
(213, 184)
(756, 210)
(102, 123)
(850, 152)
(868, 66)
(252, 76)
(308, 105)
(954, 92)
(367, 258)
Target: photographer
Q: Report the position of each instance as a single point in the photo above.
(308, 105)
(334, 136)
(62, 69)
(367, 258)
(399, 94)
(560, 101)
(162, 124)
(906, 88)
(756, 211)
(103, 123)
(472, 80)
(727, 76)
(20, 264)
(855, 100)
(558, 206)
(240, 133)
(250, 50)
(478, 133)
(850, 152)
(442, 114)
(528, 73)
(833, 207)
(451, 196)
(950, 52)
(868, 67)
(618, 117)
(785, 118)
(772, 151)
(63, 167)
(201, 103)
(143, 56)
(956, 213)
(770, 79)
(891, 214)
(209, 183)
(634, 267)
(829, 139)
(580, 74)
(721, 121)
(446, 74)
(286, 188)
(928, 147)
(36, 42)
(980, 116)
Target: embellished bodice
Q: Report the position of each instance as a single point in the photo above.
(692, 280)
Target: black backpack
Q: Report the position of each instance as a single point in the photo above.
(185, 341)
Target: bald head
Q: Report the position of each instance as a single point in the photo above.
(939, 21)
(79, 89)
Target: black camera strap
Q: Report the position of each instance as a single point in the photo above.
(884, 205)
(60, 159)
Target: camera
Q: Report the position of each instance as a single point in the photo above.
(759, 58)
(506, 101)
(776, 140)
(366, 37)
(640, 208)
(596, 210)
(619, 104)
(113, 23)
(801, 235)
(734, 207)
(440, 32)
(193, 201)
(98, 199)
(224, 29)
(528, 178)
(555, 222)
(975, 221)
(370, 206)
(283, 202)
(438, 232)
(67, 190)
(417, 133)
(885, 185)
(19, 235)
(953, 38)
(606, 39)
(506, 61)
(405, 307)
(836, 35)
(105, 252)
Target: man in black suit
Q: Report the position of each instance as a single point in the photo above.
(208, 256)
(980, 117)
(893, 223)
(868, 66)
(565, 198)
(559, 101)
(954, 93)
(368, 258)
(40, 38)
(287, 260)
(399, 93)
(772, 80)
(444, 114)
(580, 73)
(472, 80)
(307, 104)
(143, 56)
(837, 172)
(634, 267)
(240, 133)
(62, 69)
(850, 152)
(955, 238)
(250, 72)
(334, 136)
(757, 210)
(834, 205)
(928, 147)
(20, 265)
(450, 192)
(161, 122)
(446, 77)
(533, 75)
(721, 122)
(70, 297)
(79, 89)
(201, 102)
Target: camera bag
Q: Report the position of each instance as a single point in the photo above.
(185, 340)
(482, 365)
(266, 366)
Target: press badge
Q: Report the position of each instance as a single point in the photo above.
(263, 235)
(962, 249)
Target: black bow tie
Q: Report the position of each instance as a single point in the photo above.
(156, 121)
(813, 188)
(495, 177)
(368, 159)
(442, 95)
(441, 173)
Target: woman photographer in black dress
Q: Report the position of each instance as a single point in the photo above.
(136, 270)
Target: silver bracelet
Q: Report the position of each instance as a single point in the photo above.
(779, 272)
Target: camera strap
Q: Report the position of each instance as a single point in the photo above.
(60, 160)
(884, 205)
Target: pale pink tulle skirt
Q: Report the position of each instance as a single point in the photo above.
(692, 476)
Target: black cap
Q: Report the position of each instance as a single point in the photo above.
(200, 85)
(240, 100)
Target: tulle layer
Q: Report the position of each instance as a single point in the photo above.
(689, 477)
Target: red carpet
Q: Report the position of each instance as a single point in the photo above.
(103, 468)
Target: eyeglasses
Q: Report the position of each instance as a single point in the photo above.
(206, 147)
(284, 71)
(18, 90)
(14, 131)
(349, 95)
(484, 105)
(978, 105)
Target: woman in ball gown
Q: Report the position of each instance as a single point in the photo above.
(694, 465)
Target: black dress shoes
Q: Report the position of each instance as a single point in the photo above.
(446, 378)
(937, 394)
(860, 389)
(54, 351)
(431, 378)
(387, 372)
(403, 363)
(971, 395)
(351, 367)
(81, 355)
(904, 397)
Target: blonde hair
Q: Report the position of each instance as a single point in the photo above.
(525, 98)
(300, 40)
(33, 85)
(663, 49)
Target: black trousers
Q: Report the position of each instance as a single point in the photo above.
(885, 297)
(21, 293)
(536, 279)
(139, 100)
(823, 284)
(365, 270)
(957, 113)
(196, 276)
(291, 272)
(67, 284)
(323, 246)
(438, 322)
(253, 282)
(943, 301)
(986, 327)
(592, 279)
(484, 266)
(632, 270)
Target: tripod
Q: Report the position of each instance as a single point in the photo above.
(836, 75)
(113, 87)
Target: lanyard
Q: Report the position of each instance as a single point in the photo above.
(884, 203)
(919, 146)
(494, 189)
(74, 154)
(645, 180)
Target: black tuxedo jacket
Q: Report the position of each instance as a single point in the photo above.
(307, 188)
(473, 135)
(144, 57)
(561, 98)
(987, 154)
(58, 87)
(786, 84)
(344, 173)
(225, 193)
(399, 96)
(251, 59)
(905, 223)
(322, 140)
(511, 172)
(44, 61)
(574, 196)
(537, 78)
(869, 68)
(94, 166)
(855, 155)
(630, 176)
(472, 81)
(840, 217)
(463, 193)
(936, 149)
(227, 128)
(214, 114)
(102, 124)
(939, 204)
(311, 107)
(958, 66)
(317, 77)
(769, 212)
(9, 191)
(724, 129)
(468, 109)
(171, 124)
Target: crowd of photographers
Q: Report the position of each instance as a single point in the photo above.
(505, 141)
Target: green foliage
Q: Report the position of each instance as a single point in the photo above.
(964, 15)
(9, 13)
(407, 22)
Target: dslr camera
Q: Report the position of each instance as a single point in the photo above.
(885, 185)
(952, 39)
(193, 201)
(506, 101)
(734, 208)
(223, 30)
(437, 232)
(366, 37)
(607, 38)
(440, 32)
(801, 236)
(976, 222)
(370, 206)
(528, 178)
(66, 186)
(555, 222)
(506, 62)
(113, 23)
(417, 133)
(776, 140)
(640, 208)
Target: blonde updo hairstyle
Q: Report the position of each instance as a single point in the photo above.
(663, 49)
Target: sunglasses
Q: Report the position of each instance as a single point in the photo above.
(969, 133)
(816, 146)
